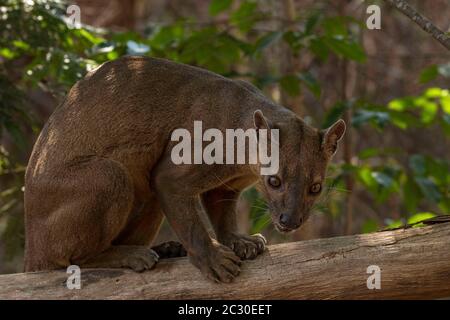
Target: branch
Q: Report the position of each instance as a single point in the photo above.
(415, 263)
(422, 21)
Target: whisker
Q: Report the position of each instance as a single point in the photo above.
(338, 189)
(261, 208)
(265, 223)
(224, 183)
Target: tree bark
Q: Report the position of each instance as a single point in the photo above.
(414, 263)
(405, 8)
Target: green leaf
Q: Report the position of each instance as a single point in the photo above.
(400, 104)
(311, 22)
(429, 111)
(244, 16)
(335, 26)
(445, 103)
(311, 83)
(377, 117)
(346, 48)
(21, 45)
(411, 194)
(429, 189)
(418, 217)
(335, 113)
(428, 74)
(369, 225)
(439, 170)
(445, 123)
(6, 53)
(434, 92)
(290, 84)
(382, 179)
(402, 120)
(293, 38)
(83, 33)
(166, 36)
(217, 6)
(211, 49)
(365, 176)
(369, 153)
(417, 164)
(112, 55)
(319, 48)
(265, 80)
(393, 224)
(267, 40)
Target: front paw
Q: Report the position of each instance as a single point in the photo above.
(245, 247)
(218, 263)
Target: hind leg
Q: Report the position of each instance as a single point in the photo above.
(138, 258)
(86, 207)
(143, 229)
(143, 225)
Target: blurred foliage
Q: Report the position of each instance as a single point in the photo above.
(38, 49)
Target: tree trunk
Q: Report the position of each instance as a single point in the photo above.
(414, 263)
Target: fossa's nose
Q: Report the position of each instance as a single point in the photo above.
(285, 222)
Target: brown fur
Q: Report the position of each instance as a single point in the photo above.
(100, 178)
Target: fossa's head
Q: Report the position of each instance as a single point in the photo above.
(304, 154)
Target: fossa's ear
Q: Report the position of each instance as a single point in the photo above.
(260, 121)
(331, 137)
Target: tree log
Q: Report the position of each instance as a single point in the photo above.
(414, 263)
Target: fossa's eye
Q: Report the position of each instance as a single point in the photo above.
(274, 182)
(315, 188)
